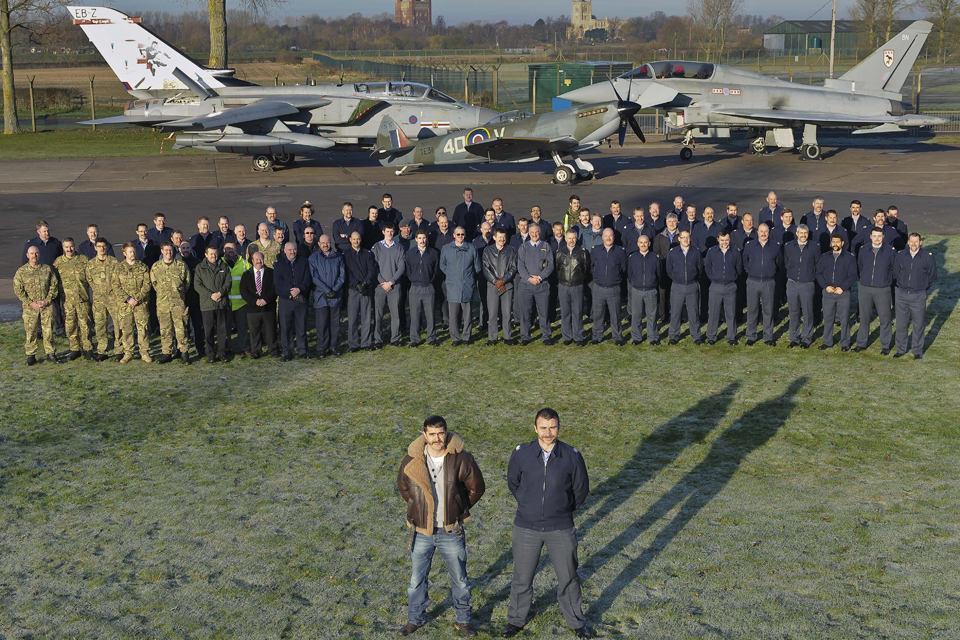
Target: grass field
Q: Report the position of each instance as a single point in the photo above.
(736, 492)
(84, 143)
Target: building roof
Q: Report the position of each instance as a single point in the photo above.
(843, 26)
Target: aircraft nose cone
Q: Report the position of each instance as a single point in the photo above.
(583, 94)
(485, 115)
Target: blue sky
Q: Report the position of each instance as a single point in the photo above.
(455, 11)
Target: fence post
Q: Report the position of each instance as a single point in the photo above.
(496, 92)
(93, 104)
(466, 87)
(33, 111)
(534, 92)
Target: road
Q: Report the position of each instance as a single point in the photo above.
(117, 193)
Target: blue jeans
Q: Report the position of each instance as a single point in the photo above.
(453, 550)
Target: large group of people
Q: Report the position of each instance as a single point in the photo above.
(483, 264)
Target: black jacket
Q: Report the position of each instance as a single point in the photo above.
(915, 273)
(608, 268)
(801, 264)
(572, 267)
(643, 271)
(248, 291)
(360, 266)
(289, 275)
(499, 265)
(723, 268)
(547, 495)
(684, 269)
(876, 269)
(837, 270)
(421, 270)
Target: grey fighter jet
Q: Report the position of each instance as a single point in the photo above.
(214, 111)
(517, 136)
(699, 95)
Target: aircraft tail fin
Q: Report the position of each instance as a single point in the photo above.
(886, 69)
(143, 61)
(391, 141)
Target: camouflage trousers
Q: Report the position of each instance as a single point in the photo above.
(76, 320)
(127, 319)
(101, 314)
(33, 321)
(173, 324)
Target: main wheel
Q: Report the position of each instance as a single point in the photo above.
(810, 151)
(563, 174)
(262, 162)
(686, 154)
(758, 145)
(284, 159)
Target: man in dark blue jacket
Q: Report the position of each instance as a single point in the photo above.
(914, 271)
(361, 277)
(761, 261)
(683, 268)
(723, 265)
(875, 264)
(468, 214)
(643, 272)
(327, 274)
(836, 273)
(344, 226)
(800, 258)
(291, 277)
(608, 266)
(422, 263)
(549, 480)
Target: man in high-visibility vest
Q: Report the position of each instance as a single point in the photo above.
(237, 311)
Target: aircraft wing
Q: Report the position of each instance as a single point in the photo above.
(813, 117)
(248, 113)
(143, 121)
(511, 148)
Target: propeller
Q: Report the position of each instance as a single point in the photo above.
(627, 110)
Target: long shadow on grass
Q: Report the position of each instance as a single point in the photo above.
(945, 299)
(653, 454)
(692, 493)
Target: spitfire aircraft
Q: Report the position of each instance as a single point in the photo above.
(215, 111)
(699, 95)
(517, 136)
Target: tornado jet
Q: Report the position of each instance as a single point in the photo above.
(213, 110)
(701, 95)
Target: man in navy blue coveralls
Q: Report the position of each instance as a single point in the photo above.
(549, 480)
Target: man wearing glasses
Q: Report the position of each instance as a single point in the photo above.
(460, 263)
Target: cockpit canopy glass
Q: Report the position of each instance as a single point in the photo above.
(509, 116)
(671, 69)
(402, 89)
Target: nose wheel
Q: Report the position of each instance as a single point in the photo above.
(810, 152)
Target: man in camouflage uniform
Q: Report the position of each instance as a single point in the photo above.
(37, 287)
(72, 269)
(131, 290)
(100, 278)
(171, 280)
(266, 245)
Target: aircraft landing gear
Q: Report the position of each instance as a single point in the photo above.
(564, 173)
(284, 159)
(585, 170)
(810, 152)
(689, 144)
(263, 162)
(759, 146)
(400, 171)
(810, 149)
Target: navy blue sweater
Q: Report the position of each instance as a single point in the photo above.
(547, 495)
(723, 268)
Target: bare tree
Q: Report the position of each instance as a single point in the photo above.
(217, 10)
(868, 16)
(712, 20)
(942, 13)
(16, 16)
(891, 12)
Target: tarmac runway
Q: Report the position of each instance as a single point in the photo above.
(923, 180)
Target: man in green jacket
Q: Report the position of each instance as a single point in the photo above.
(212, 282)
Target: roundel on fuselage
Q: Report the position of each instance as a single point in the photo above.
(478, 135)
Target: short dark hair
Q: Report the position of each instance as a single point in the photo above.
(912, 234)
(523, 220)
(833, 211)
(390, 226)
(877, 230)
(500, 230)
(167, 244)
(103, 240)
(856, 202)
(723, 232)
(435, 421)
(489, 210)
(573, 197)
(547, 414)
(67, 239)
(386, 195)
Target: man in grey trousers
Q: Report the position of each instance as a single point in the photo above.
(390, 267)
(549, 480)
(914, 271)
(499, 262)
(534, 264)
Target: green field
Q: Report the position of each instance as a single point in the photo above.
(85, 143)
(736, 492)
